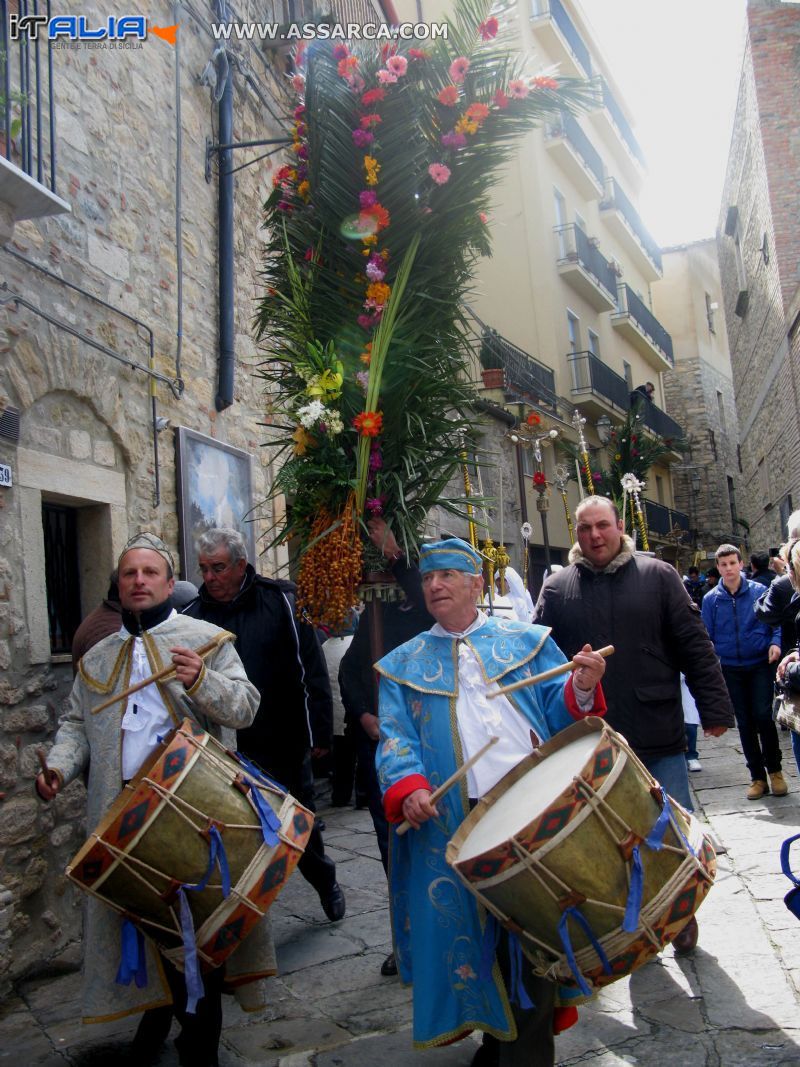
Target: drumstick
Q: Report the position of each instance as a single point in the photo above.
(405, 825)
(163, 673)
(552, 673)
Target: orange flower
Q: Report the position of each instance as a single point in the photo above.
(346, 66)
(366, 355)
(369, 423)
(377, 212)
(448, 96)
(477, 112)
(379, 292)
(543, 82)
(302, 441)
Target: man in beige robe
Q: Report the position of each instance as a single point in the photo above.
(114, 743)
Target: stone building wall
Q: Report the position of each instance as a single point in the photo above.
(699, 391)
(86, 437)
(759, 207)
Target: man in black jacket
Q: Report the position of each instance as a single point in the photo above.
(612, 596)
(284, 661)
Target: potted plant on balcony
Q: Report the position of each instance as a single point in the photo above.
(492, 370)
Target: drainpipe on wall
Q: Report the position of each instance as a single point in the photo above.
(224, 397)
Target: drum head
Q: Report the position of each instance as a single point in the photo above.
(528, 797)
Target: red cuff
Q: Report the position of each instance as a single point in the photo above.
(395, 795)
(598, 708)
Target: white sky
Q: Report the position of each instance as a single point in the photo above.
(677, 64)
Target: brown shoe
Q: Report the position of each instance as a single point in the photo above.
(686, 941)
(758, 789)
(777, 784)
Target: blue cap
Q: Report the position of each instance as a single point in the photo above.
(450, 555)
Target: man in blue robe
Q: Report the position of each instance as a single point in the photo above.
(434, 715)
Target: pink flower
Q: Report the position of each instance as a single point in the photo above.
(483, 217)
(356, 83)
(374, 272)
(501, 99)
(341, 51)
(375, 458)
(453, 139)
(458, 69)
(439, 172)
(488, 28)
(298, 83)
(367, 198)
(361, 138)
(385, 77)
(397, 65)
(374, 505)
(363, 379)
(518, 89)
(417, 53)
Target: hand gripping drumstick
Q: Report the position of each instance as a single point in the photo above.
(554, 672)
(157, 677)
(405, 825)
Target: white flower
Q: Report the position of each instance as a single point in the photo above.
(630, 483)
(333, 422)
(312, 413)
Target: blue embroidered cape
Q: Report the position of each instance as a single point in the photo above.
(437, 923)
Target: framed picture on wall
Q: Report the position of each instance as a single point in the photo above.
(215, 488)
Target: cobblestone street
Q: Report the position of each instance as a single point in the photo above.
(735, 1002)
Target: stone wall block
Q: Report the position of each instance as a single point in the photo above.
(8, 765)
(33, 719)
(18, 820)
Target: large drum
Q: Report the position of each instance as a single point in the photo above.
(580, 852)
(194, 819)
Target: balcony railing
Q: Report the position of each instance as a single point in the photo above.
(621, 123)
(27, 109)
(630, 304)
(567, 126)
(663, 521)
(590, 373)
(575, 245)
(659, 421)
(616, 198)
(523, 374)
(557, 12)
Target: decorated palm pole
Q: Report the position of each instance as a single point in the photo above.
(374, 229)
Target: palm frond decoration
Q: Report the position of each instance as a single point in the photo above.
(374, 229)
(630, 450)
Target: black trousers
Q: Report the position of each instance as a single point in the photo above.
(317, 868)
(198, 1041)
(535, 1043)
(366, 758)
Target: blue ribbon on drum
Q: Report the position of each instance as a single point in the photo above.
(270, 823)
(491, 939)
(132, 965)
(633, 903)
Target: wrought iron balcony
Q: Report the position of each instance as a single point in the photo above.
(524, 378)
(592, 377)
(619, 121)
(27, 124)
(663, 521)
(601, 390)
(554, 11)
(579, 158)
(623, 219)
(585, 267)
(639, 325)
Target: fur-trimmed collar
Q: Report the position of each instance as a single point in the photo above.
(625, 554)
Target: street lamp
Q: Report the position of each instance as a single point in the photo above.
(603, 427)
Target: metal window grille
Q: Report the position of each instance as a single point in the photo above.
(61, 574)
